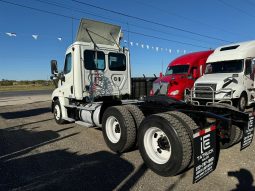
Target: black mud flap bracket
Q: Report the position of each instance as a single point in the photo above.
(248, 132)
(205, 153)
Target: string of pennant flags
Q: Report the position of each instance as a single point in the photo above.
(126, 42)
(155, 48)
(34, 36)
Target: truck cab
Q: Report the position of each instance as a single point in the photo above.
(95, 67)
(181, 74)
(229, 77)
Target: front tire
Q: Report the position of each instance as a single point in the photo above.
(242, 102)
(119, 129)
(58, 113)
(164, 144)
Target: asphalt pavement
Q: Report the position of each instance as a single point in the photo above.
(38, 154)
(24, 93)
(24, 97)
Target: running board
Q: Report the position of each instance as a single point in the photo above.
(84, 124)
(87, 107)
(68, 119)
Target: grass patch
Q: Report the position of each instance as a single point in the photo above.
(29, 87)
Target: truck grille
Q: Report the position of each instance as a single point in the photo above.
(160, 88)
(204, 90)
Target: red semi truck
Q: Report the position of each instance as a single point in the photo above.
(181, 74)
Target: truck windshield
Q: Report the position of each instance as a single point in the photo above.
(230, 66)
(180, 69)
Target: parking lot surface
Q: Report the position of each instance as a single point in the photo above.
(38, 154)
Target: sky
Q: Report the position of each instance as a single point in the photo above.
(156, 32)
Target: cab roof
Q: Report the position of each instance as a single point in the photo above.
(233, 51)
(191, 58)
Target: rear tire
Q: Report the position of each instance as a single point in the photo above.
(136, 113)
(235, 137)
(238, 135)
(164, 144)
(119, 129)
(188, 123)
(225, 105)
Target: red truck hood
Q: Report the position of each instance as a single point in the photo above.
(173, 82)
(174, 78)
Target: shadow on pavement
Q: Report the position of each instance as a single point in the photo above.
(62, 170)
(245, 180)
(25, 113)
(172, 187)
(13, 140)
(134, 178)
(58, 169)
(30, 123)
(16, 142)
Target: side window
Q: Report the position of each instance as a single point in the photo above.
(117, 62)
(248, 67)
(90, 60)
(68, 63)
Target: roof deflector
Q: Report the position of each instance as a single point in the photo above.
(101, 33)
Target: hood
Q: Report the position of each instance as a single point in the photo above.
(173, 77)
(170, 83)
(218, 78)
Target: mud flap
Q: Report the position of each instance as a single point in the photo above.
(248, 133)
(205, 153)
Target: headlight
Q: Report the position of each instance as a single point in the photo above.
(175, 92)
(227, 95)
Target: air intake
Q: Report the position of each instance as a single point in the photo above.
(229, 48)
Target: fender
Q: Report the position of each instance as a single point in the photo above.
(57, 95)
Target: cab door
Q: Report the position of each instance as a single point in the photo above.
(67, 79)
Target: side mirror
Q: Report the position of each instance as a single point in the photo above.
(54, 67)
(195, 73)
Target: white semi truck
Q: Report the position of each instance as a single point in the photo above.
(93, 90)
(229, 77)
